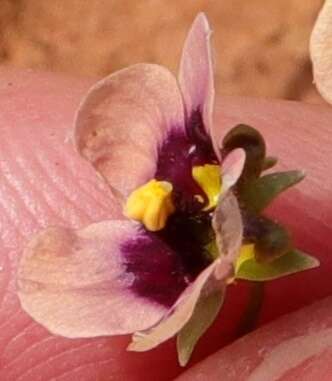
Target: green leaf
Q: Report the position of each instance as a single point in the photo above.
(258, 194)
(269, 162)
(291, 263)
(206, 310)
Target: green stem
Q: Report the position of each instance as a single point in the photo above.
(253, 308)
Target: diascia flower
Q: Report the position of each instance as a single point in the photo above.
(191, 222)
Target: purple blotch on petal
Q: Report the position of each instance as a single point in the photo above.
(196, 132)
(164, 263)
(157, 269)
(180, 151)
(175, 165)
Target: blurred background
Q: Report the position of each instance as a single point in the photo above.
(261, 46)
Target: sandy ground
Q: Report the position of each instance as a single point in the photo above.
(261, 46)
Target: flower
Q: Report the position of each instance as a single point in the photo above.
(191, 212)
(321, 51)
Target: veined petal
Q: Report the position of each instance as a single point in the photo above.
(196, 71)
(321, 51)
(123, 120)
(177, 317)
(76, 285)
(228, 227)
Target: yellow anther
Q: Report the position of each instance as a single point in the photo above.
(151, 204)
(208, 177)
(247, 252)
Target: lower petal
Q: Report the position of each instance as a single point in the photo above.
(227, 223)
(76, 285)
(177, 317)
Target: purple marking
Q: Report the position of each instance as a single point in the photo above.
(164, 263)
(178, 154)
(197, 134)
(157, 269)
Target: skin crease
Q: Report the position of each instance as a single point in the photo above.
(43, 182)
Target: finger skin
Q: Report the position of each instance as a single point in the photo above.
(43, 182)
(297, 346)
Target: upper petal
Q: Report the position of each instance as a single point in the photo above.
(196, 71)
(76, 284)
(321, 51)
(122, 121)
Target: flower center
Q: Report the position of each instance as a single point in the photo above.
(152, 204)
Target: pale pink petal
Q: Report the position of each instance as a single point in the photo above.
(321, 51)
(196, 71)
(228, 227)
(232, 167)
(177, 317)
(74, 283)
(123, 120)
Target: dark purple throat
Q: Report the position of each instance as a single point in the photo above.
(183, 149)
(164, 263)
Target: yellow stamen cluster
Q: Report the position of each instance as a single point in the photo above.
(151, 204)
(208, 177)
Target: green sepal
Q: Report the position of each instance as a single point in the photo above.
(291, 263)
(269, 162)
(206, 311)
(251, 140)
(259, 193)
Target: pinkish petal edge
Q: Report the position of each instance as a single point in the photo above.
(232, 167)
(75, 285)
(228, 227)
(196, 76)
(122, 121)
(177, 317)
(321, 51)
